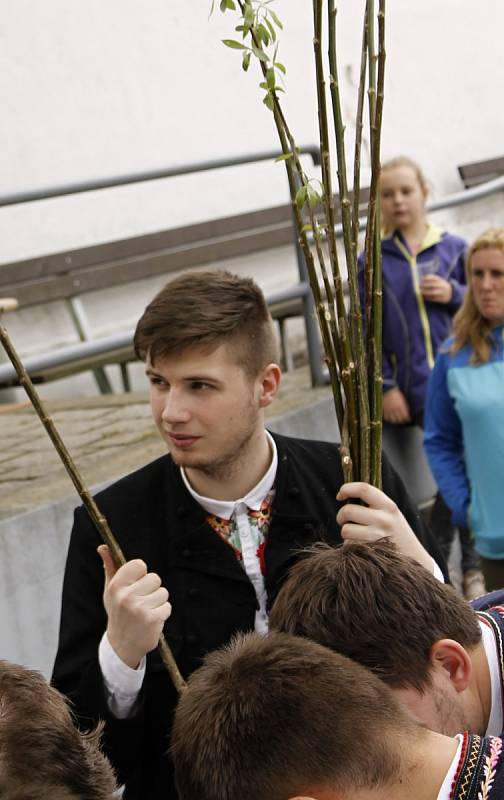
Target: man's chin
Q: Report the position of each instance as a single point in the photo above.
(186, 459)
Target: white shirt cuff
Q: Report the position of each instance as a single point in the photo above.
(122, 684)
(437, 572)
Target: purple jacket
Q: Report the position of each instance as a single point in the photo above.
(414, 328)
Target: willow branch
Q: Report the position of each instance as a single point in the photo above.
(325, 156)
(358, 136)
(97, 517)
(356, 329)
(376, 321)
(368, 269)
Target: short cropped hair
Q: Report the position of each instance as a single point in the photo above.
(376, 606)
(42, 754)
(269, 717)
(207, 309)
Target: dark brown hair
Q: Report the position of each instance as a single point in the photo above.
(42, 754)
(207, 309)
(375, 606)
(272, 716)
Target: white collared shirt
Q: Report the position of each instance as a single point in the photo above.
(238, 509)
(122, 683)
(490, 645)
(445, 791)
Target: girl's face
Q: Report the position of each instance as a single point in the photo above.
(487, 284)
(402, 198)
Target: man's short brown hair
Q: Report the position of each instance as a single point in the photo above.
(376, 606)
(270, 717)
(207, 309)
(42, 754)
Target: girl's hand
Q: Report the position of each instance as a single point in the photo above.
(436, 289)
(395, 407)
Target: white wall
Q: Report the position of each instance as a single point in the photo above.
(91, 89)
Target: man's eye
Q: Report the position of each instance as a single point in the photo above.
(156, 381)
(198, 385)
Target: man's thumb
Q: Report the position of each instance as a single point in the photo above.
(108, 562)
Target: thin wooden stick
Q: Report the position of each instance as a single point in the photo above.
(97, 517)
(376, 400)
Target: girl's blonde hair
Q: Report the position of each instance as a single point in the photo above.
(405, 161)
(469, 326)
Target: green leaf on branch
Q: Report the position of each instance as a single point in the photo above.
(284, 157)
(270, 78)
(271, 30)
(301, 195)
(268, 101)
(260, 54)
(233, 44)
(246, 60)
(248, 15)
(306, 229)
(280, 67)
(227, 4)
(263, 34)
(313, 197)
(275, 19)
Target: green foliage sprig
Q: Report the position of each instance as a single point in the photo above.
(352, 344)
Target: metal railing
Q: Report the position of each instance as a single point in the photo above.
(318, 375)
(90, 349)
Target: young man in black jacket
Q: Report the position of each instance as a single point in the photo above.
(218, 521)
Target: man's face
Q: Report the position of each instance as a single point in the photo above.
(439, 708)
(206, 408)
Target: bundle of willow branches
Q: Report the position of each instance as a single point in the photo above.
(351, 338)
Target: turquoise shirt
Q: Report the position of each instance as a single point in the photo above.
(464, 441)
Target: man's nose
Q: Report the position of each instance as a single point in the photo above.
(175, 408)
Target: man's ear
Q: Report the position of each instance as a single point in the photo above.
(450, 657)
(269, 380)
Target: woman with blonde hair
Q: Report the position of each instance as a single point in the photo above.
(464, 420)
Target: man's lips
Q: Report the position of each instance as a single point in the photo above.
(182, 439)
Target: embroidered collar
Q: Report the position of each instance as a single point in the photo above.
(494, 651)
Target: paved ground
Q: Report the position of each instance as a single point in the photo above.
(107, 437)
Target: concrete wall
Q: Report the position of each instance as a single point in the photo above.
(93, 89)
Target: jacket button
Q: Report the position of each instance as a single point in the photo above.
(193, 592)
(186, 553)
(191, 638)
(181, 511)
(293, 491)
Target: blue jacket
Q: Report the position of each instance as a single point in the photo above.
(464, 440)
(413, 328)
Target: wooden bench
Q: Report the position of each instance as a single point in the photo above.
(481, 171)
(70, 274)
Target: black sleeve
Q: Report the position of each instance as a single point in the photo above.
(394, 487)
(77, 673)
